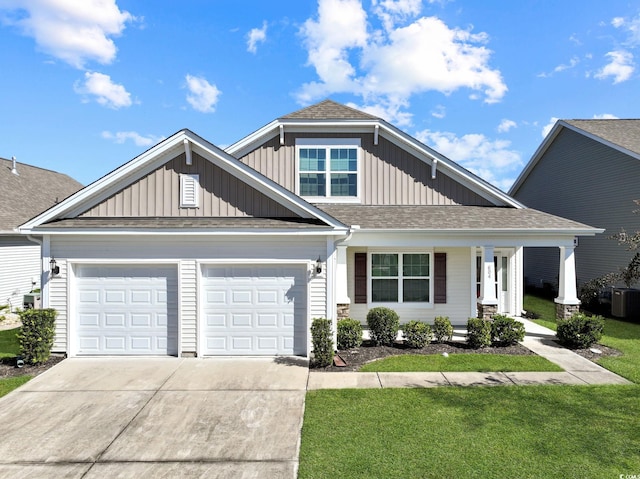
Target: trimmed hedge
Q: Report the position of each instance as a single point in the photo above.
(36, 334)
(384, 324)
(506, 331)
(580, 331)
(322, 340)
(349, 333)
(442, 329)
(416, 334)
(478, 333)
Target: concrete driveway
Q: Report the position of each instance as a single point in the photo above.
(158, 417)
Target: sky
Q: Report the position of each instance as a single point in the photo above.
(86, 86)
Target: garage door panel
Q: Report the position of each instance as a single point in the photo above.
(254, 310)
(129, 310)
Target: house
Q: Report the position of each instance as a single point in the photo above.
(189, 249)
(25, 191)
(586, 170)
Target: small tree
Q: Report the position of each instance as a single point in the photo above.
(630, 274)
(36, 334)
(322, 341)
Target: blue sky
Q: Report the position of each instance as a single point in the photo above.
(87, 86)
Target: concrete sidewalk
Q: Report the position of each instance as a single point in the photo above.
(540, 340)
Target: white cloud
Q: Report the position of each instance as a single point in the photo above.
(631, 27)
(505, 125)
(562, 67)
(138, 139)
(73, 31)
(620, 68)
(106, 92)
(547, 128)
(605, 116)
(389, 65)
(439, 111)
(202, 96)
(255, 36)
(492, 160)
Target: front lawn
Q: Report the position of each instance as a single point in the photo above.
(461, 362)
(621, 335)
(498, 432)
(10, 348)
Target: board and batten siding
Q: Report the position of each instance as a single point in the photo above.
(459, 293)
(186, 253)
(584, 180)
(20, 260)
(158, 194)
(389, 174)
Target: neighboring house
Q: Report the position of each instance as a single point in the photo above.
(189, 249)
(25, 191)
(586, 170)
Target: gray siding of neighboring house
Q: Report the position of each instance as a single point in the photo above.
(20, 260)
(158, 194)
(389, 174)
(584, 180)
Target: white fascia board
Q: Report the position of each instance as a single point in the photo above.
(99, 186)
(184, 232)
(540, 151)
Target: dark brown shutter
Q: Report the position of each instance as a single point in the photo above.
(440, 274)
(360, 278)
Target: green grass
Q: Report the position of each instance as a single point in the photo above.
(496, 432)
(621, 335)
(460, 362)
(9, 345)
(9, 384)
(10, 348)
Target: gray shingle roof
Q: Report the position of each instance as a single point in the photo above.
(624, 133)
(448, 218)
(190, 223)
(329, 110)
(29, 193)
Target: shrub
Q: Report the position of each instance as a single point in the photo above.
(322, 341)
(478, 333)
(384, 324)
(416, 334)
(580, 331)
(349, 333)
(36, 335)
(442, 329)
(506, 331)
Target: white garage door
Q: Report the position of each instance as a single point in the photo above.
(126, 310)
(254, 310)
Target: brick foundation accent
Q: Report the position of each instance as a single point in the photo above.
(486, 311)
(343, 310)
(565, 311)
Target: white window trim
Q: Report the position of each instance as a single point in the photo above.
(400, 303)
(189, 181)
(328, 143)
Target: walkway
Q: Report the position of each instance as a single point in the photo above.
(577, 371)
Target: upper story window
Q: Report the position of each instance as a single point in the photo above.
(328, 168)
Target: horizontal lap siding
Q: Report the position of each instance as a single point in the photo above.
(58, 300)
(459, 294)
(20, 260)
(584, 180)
(389, 174)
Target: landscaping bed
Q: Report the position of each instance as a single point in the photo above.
(8, 367)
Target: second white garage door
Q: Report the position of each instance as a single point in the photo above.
(254, 310)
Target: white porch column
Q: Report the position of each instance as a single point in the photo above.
(488, 278)
(342, 297)
(567, 293)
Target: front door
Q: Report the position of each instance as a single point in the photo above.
(502, 280)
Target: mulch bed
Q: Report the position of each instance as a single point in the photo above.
(368, 352)
(8, 368)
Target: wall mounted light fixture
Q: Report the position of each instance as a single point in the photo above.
(55, 269)
(318, 265)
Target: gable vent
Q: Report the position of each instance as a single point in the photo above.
(189, 191)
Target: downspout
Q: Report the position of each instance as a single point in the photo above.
(44, 277)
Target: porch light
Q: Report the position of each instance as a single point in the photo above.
(318, 265)
(55, 269)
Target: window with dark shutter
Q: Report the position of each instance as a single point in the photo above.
(440, 278)
(360, 278)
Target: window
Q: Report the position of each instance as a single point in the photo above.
(328, 168)
(189, 191)
(400, 278)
